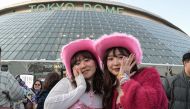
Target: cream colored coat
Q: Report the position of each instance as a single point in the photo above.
(64, 95)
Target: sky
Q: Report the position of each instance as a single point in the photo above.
(174, 11)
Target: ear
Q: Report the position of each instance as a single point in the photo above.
(185, 62)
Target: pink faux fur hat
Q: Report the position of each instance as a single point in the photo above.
(119, 40)
(73, 47)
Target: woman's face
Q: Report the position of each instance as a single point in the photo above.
(87, 66)
(114, 60)
(37, 85)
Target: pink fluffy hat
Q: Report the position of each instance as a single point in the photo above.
(69, 50)
(119, 40)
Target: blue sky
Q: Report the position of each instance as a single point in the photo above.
(174, 11)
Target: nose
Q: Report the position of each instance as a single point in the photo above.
(82, 64)
(116, 61)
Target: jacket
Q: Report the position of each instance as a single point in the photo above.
(41, 99)
(64, 95)
(143, 91)
(10, 90)
(178, 90)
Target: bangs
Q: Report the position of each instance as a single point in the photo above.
(122, 50)
(78, 55)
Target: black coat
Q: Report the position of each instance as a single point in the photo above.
(41, 99)
(178, 90)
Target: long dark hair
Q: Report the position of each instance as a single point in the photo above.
(98, 76)
(111, 82)
(51, 80)
(35, 83)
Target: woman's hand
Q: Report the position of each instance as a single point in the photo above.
(79, 78)
(76, 71)
(127, 64)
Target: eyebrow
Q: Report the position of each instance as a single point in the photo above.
(82, 59)
(113, 55)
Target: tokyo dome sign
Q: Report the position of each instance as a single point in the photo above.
(73, 6)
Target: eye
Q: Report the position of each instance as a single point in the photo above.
(77, 63)
(110, 58)
(86, 59)
(120, 57)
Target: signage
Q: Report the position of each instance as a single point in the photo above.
(28, 79)
(71, 6)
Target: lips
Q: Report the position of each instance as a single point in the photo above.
(116, 69)
(85, 71)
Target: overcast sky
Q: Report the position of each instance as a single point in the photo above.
(174, 11)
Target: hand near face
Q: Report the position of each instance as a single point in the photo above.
(127, 64)
(76, 71)
(79, 78)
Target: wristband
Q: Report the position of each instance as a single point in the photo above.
(123, 80)
(120, 75)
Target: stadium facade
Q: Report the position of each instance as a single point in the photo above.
(32, 33)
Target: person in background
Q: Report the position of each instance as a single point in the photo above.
(50, 81)
(82, 89)
(36, 88)
(127, 86)
(177, 87)
(10, 90)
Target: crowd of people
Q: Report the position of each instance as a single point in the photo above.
(16, 95)
(103, 74)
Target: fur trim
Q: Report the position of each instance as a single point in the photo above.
(73, 47)
(119, 40)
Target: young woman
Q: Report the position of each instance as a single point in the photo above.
(83, 87)
(50, 81)
(126, 86)
(36, 88)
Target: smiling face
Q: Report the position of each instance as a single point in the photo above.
(37, 85)
(114, 60)
(85, 63)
